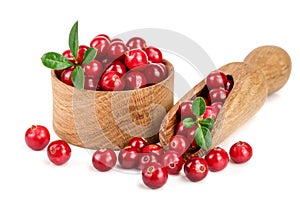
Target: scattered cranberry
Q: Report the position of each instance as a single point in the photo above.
(59, 152)
(37, 137)
(104, 159)
(128, 157)
(117, 66)
(218, 95)
(195, 169)
(153, 148)
(216, 79)
(173, 162)
(210, 112)
(154, 55)
(112, 81)
(145, 159)
(217, 159)
(93, 69)
(154, 175)
(155, 73)
(135, 80)
(116, 49)
(240, 152)
(135, 58)
(66, 76)
(136, 43)
(101, 43)
(185, 110)
(137, 142)
(179, 143)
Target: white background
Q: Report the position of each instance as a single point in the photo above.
(227, 31)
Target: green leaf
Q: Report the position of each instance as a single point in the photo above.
(198, 106)
(207, 122)
(89, 55)
(78, 78)
(54, 60)
(203, 138)
(73, 40)
(188, 122)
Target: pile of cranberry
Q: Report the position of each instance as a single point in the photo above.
(157, 163)
(118, 65)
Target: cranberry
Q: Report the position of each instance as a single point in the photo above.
(105, 61)
(216, 79)
(185, 110)
(155, 73)
(66, 76)
(104, 159)
(116, 39)
(58, 73)
(189, 133)
(69, 55)
(153, 148)
(240, 152)
(218, 95)
(154, 55)
(112, 81)
(137, 142)
(154, 175)
(81, 50)
(210, 112)
(128, 157)
(173, 162)
(37, 137)
(93, 69)
(195, 169)
(116, 49)
(136, 43)
(217, 159)
(135, 80)
(217, 106)
(101, 43)
(104, 35)
(146, 159)
(136, 58)
(179, 143)
(229, 85)
(59, 152)
(117, 66)
(90, 83)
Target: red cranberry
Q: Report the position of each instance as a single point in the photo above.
(66, 76)
(93, 69)
(116, 49)
(116, 39)
(155, 175)
(59, 152)
(153, 148)
(229, 85)
(90, 83)
(210, 112)
(104, 159)
(69, 55)
(240, 152)
(179, 143)
(81, 50)
(135, 80)
(216, 79)
(136, 43)
(117, 66)
(58, 73)
(196, 169)
(218, 95)
(128, 157)
(185, 110)
(189, 133)
(217, 106)
(101, 43)
(145, 159)
(135, 58)
(217, 159)
(105, 61)
(112, 81)
(37, 137)
(137, 142)
(155, 73)
(173, 162)
(154, 55)
(104, 35)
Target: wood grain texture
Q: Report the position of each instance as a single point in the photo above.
(253, 81)
(103, 119)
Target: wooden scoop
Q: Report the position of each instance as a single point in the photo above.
(265, 70)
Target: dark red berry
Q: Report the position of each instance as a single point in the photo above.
(217, 106)
(116, 39)
(116, 49)
(210, 112)
(101, 43)
(196, 169)
(240, 152)
(117, 66)
(104, 159)
(90, 83)
(37, 137)
(154, 175)
(217, 159)
(81, 50)
(153, 148)
(112, 81)
(135, 80)
(68, 54)
(218, 95)
(189, 133)
(59, 152)
(104, 35)
(137, 142)
(185, 110)
(135, 58)
(173, 162)
(216, 79)
(93, 69)
(229, 85)
(155, 72)
(154, 55)
(58, 73)
(128, 157)
(145, 159)
(179, 143)
(66, 76)
(136, 43)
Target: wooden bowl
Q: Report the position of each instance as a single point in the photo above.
(265, 70)
(105, 119)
